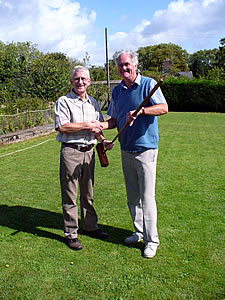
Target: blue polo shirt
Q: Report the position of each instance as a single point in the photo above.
(143, 134)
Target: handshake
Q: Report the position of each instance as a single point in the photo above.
(96, 128)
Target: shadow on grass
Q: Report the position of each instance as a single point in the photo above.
(28, 219)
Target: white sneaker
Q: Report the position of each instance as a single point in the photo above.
(150, 250)
(134, 238)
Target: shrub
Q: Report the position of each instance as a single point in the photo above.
(99, 92)
(194, 95)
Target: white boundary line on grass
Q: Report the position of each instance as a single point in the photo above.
(25, 148)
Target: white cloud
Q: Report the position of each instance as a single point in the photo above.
(193, 24)
(123, 40)
(54, 25)
(64, 26)
(207, 2)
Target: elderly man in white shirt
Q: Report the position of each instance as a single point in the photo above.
(77, 117)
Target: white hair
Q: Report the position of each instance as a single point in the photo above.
(77, 68)
(133, 55)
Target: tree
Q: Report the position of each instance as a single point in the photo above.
(15, 60)
(151, 58)
(216, 74)
(97, 73)
(202, 61)
(50, 76)
(220, 55)
(113, 70)
(26, 71)
(100, 74)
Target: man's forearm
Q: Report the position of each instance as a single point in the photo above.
(155, 110)
(75, 127)
(110, 124)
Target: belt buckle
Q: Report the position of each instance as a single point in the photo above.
(84, 148)
(80, 148)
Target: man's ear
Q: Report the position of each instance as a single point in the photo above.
(89, 82)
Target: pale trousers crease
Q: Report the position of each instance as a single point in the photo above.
(77, 169)
(140, 176)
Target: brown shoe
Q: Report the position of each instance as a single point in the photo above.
(74, 244)
(97, 234)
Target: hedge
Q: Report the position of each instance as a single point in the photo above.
(194, 95)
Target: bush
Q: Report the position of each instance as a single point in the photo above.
(99, 92)
(194, 95)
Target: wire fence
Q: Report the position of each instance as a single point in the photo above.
(30, 118)
(25, 119)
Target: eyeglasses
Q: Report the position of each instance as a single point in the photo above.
(84, 79)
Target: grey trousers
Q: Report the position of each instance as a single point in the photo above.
(77, 169)
(140, 175)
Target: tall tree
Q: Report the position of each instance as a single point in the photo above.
(220, 55)
(15, 60)
(153, 57)
(50, 76)
(202, 61)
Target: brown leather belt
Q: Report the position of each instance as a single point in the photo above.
(79, 147)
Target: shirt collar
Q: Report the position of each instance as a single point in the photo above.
(137, 81)
(77, 98)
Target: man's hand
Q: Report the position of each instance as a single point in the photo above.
(108, 145)
(96, 127)
(130, 118)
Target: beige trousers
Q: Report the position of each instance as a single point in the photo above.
(140, 175)
(77, 169)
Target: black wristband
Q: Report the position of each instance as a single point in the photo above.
(103, 140)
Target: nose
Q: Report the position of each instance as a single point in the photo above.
(122, 66)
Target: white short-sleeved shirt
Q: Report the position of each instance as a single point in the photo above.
(72, 109)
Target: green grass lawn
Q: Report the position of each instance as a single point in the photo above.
(36, 264)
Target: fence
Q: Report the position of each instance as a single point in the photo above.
(24, 120)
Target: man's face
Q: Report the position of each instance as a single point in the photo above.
(127, 68)
(80, 82)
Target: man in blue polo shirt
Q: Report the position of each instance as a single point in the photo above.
(139, 146)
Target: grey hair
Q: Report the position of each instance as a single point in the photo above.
(133, 55)
(77, 68)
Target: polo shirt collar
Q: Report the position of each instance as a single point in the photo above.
(137, 81)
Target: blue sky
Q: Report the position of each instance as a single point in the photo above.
(76, 27)
(123, 15)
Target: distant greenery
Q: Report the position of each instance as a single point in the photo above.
(27, 73)
(24, 71)
(35, 263)
(151, 58)
(209, 63)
